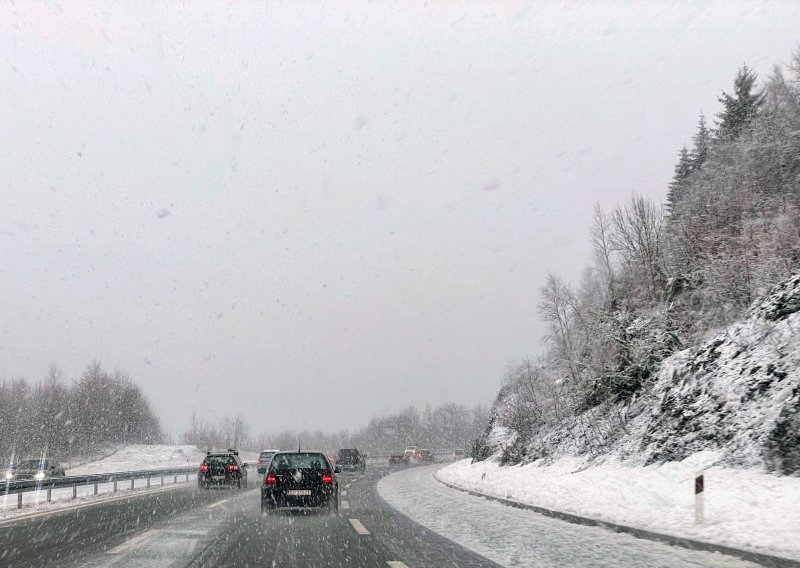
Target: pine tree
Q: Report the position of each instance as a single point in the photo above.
(702, 144)
(741, 107)
(679, 181)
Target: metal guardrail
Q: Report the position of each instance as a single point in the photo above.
(76, 481)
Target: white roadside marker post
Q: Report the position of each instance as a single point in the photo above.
(699, 512)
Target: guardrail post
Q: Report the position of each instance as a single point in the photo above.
(115, 486)
(162, 480)
(176, 479)
(95, 488)
(49, 490)
(699, 509)
(74, 491)
(131, 484)
(187, 477)
(148, 481)
(19, 500)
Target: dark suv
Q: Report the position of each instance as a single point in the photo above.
(351, 460)
(222, 469)
(300, 479)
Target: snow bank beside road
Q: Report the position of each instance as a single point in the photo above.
(520, 538)
(136, 457)
(744, 508)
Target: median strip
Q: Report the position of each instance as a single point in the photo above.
(359, 527)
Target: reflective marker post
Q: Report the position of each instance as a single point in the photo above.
(699, 512)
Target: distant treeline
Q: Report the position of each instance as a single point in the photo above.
(663, 275)
(63, 419)
(447, 426)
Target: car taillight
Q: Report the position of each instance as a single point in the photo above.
(327, 477)
(233, 467)
(203, 467)
(271, 479)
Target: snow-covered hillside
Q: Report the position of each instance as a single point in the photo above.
(736, 394)
(153, 456)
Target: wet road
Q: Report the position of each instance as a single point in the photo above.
(187, 527)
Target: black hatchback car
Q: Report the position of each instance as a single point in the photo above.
(222, 469)
(300, 479)
(351, 460)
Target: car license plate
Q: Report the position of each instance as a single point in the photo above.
(299, 492)
(217, 477)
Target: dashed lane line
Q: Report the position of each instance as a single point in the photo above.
(132, 542)
(396, 564)
(344, 505)
(218, 503)
(359, 527)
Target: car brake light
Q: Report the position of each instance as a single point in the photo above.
(271, 479)
(233, 467)
(203, 467)
(327, 477)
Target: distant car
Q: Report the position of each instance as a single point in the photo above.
(350, 459)
(410, 453)
(300, 479)
(458, 455)
(425, 456)
(398, 459)
(263, 460)
(222, 469)
(33, 469)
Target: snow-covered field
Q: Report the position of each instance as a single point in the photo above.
(154, 456)
(515, 537)
(743, 508)
(136, 457)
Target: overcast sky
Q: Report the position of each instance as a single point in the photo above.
(310, 214)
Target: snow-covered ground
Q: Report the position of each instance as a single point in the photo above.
(153, 456)
(136, 457)
(743, 508)
(516, 537)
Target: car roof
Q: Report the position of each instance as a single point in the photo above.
(273, 451)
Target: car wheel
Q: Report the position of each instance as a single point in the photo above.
(266, 509)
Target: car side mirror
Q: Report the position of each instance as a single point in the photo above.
(262, 470)
(337, 469)
(244, 466)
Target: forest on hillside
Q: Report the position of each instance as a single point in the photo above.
(665, 275)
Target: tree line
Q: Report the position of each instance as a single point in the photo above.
(664, 274)
(66, 419)
(446, 426)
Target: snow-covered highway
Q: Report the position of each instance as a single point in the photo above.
(403, 519)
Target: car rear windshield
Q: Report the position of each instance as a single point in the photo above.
(29, 464)
(300, 460)
(263, 456)
(219, 460)
(348, 456)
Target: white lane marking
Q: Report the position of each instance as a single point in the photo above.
(396, 564)
(344, 493)
(359, 527)
(132, 542)
(344, 505)
(217, 504)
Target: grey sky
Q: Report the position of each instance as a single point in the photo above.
(310, 214)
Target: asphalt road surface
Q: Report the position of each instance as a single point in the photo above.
(188, 527)
(184, 526)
